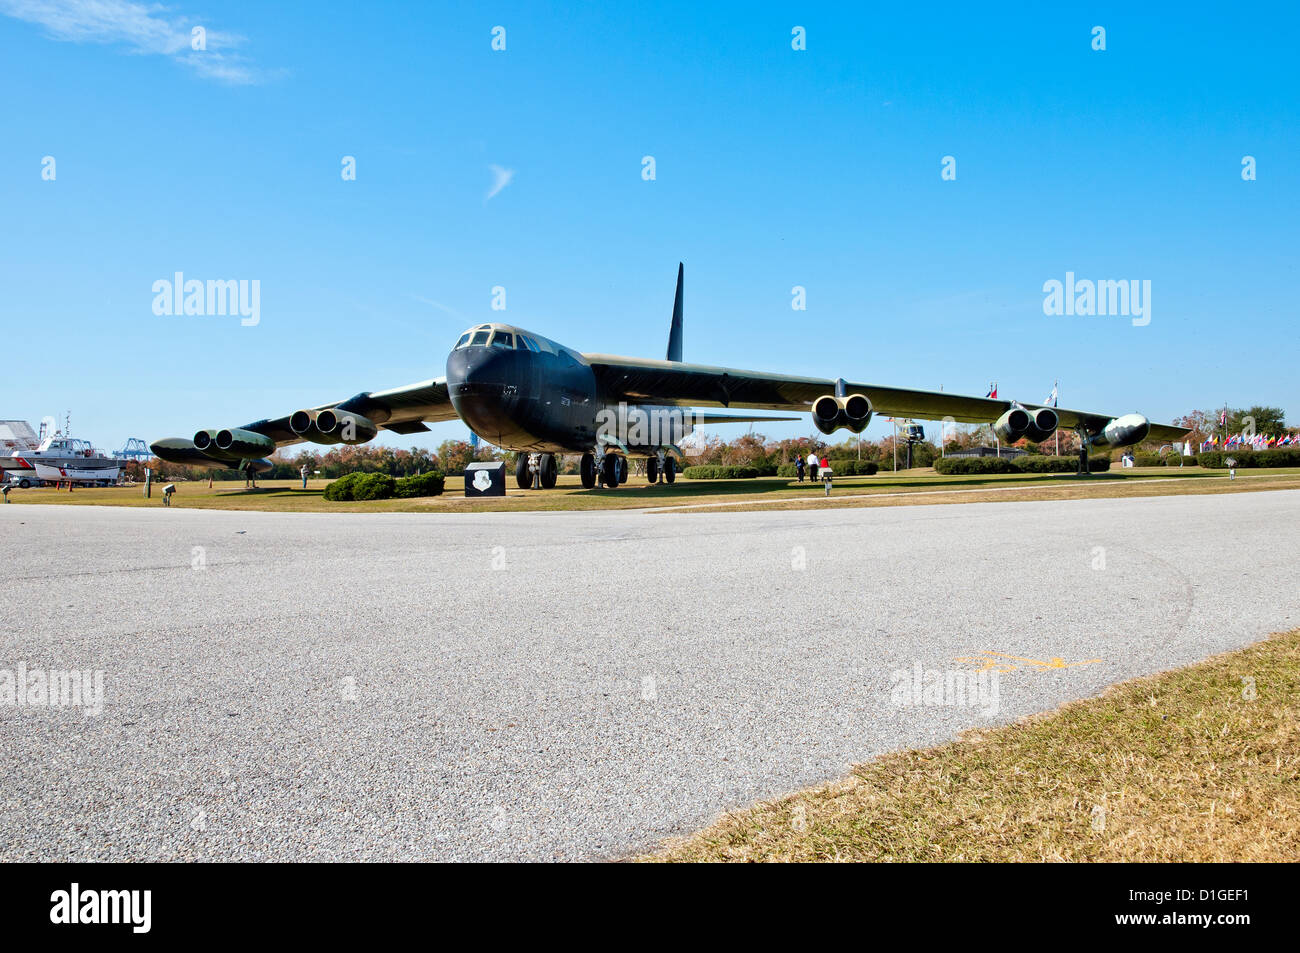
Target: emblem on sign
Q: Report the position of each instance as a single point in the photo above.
(482, 481)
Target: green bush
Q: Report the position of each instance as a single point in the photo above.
(340, 490)
(847, 467)
(1031, 463)
(1250, 459)
(380, 486)
(374, 486)
(965, 465)
(1036, 463)
(720, 473)
(840, 467)
(424, 484)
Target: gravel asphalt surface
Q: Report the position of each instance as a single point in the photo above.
(562, 685)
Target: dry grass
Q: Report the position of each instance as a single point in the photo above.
(1175, 767)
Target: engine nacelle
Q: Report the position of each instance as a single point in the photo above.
(345, 426)
(830, 413)
(1123, 431)
(303, 424)
(244, 444)
(1042, 424)
(1013, 425)
(204, 439)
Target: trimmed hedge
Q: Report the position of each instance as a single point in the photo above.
(423, 484)
(838, 467)
(1249, 459)
(380, 486)
(1031, 463)
(721, 473)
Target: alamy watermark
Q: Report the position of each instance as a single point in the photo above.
(922, 688)
(212, 297)
(634, 426)
(52, 688)
(1125, 298)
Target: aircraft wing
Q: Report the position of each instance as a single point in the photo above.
(402, 410)
(687, 385)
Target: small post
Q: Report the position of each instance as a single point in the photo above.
(148, 481)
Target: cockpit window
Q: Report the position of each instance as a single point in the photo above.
(463, 342)
(480, 338)
(504, 340)
(528, 342)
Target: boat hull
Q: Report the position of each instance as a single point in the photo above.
(78, 473)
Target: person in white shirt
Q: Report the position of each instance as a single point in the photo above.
(812, 466)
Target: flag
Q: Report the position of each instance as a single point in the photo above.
(1051, 398)
(1223, 418)
(993, 390)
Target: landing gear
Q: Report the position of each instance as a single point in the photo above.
(610, 471)
(536, 471)
(652, 470)
(587, 470)
(622, 468)
(670, 469)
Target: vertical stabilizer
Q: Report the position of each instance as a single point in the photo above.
(675, 332)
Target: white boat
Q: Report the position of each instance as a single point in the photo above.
(61, 459)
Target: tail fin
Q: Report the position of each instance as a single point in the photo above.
(675, 332)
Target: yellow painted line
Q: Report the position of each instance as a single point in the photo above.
(991, 662)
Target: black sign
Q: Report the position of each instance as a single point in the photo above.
(485, 479)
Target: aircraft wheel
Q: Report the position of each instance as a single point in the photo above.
(587, 470)
(622, 469)
(24, 483)
(609, 472)
(652, 470)
(670, 470)
(550, 472)
(522, 476)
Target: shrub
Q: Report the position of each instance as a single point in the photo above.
(1031, 463)
(341, 489)
(1042, 464)
(1250, 459)
(424, 484)
(847, 467)
(374, 486)
(965, 465)
(840, 467)
(720, 473)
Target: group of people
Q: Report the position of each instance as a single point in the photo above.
(813, 466)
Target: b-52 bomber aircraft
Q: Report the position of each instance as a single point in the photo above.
(526, 393)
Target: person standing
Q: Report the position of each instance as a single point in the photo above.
(798, 467)
(812, 465)
(304, 471)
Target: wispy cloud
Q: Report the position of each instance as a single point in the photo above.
(452, 312)
(500, 179)
(145, 29)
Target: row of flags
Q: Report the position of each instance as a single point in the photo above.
(1257, 441)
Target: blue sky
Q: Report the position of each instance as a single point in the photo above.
(774, 167)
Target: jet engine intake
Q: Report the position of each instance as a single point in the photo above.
(243, 444)
(344, 426)
(830, 413)
(1042, 424)
(1013, 425)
